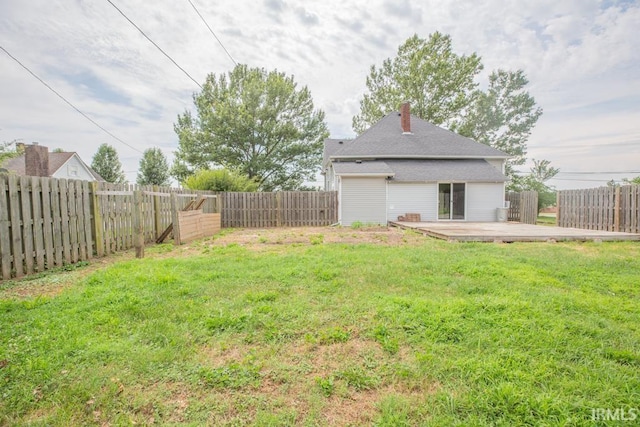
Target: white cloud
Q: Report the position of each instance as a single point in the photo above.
(580, 56)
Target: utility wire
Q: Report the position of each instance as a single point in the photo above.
(575, 179)
(68, 102)
(211, 31)
(588, 172)
(155, 44)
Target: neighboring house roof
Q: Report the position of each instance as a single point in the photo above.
(386, 140)
(56, 161)
(468, 170)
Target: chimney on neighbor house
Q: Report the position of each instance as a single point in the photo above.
(405, 118)
(36, 160)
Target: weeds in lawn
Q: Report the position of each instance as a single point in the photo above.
(342, 334)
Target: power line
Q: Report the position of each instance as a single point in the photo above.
(588, 172)
(212, 33)
(597, 173)
(571, 147)
(154, 43)
(68, 102)
(575, 179)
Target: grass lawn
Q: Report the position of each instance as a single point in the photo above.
(389, 328)
(546, 220)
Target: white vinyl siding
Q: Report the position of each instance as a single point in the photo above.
(330, 179)
(482, 201)
(364, 200)
(413, 197)
(496, 163)
(73, 168)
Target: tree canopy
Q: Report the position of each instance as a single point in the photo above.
(255, 122)
(153, 169)
(503, 115)
(437, 82)
(219, 180)
(107, 164)
(442, 89)
(540, 173)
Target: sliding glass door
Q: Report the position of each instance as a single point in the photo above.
(451, 200)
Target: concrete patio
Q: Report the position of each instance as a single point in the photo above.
(509, 232)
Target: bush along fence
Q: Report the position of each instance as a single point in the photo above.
(523, 206)
(47, 223)
(604, 208)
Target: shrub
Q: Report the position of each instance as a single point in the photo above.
(219, 180)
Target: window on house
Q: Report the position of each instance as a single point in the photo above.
(72, 170)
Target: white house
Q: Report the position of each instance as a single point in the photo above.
(404, 164)
(38, 161)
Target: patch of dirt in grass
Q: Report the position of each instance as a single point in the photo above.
(52, 283)
(265, 237)
(290, 372)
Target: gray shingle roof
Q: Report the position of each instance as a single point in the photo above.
(385, 140)
(332, 146)
(467, 170)
(374, 167)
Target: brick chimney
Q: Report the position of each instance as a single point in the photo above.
(36, 160)
(405, 118)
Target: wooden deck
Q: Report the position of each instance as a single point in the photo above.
(509, 232)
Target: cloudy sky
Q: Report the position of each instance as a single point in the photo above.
(582, 58)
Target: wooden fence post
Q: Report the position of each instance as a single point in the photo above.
(98, 232)
(616, 210)
(16, 237)
(157, 215)
(138, 224)
(174, 219)
(5, 240)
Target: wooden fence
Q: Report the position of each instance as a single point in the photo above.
(604, 208)
(523, 206)
(114, 212)
(47, 223)
(44, 223)
(281, 209)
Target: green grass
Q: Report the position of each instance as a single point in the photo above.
(546, 220)
(432, 334)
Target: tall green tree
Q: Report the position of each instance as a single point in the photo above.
(633, 181)
(255, 122)
(503, 116)
(107, 164)
(536, 180)
(442, 89)
(438, 83)
(153, 169)
(219, 180)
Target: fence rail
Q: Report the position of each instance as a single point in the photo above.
(47, 223)
(604, 208)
